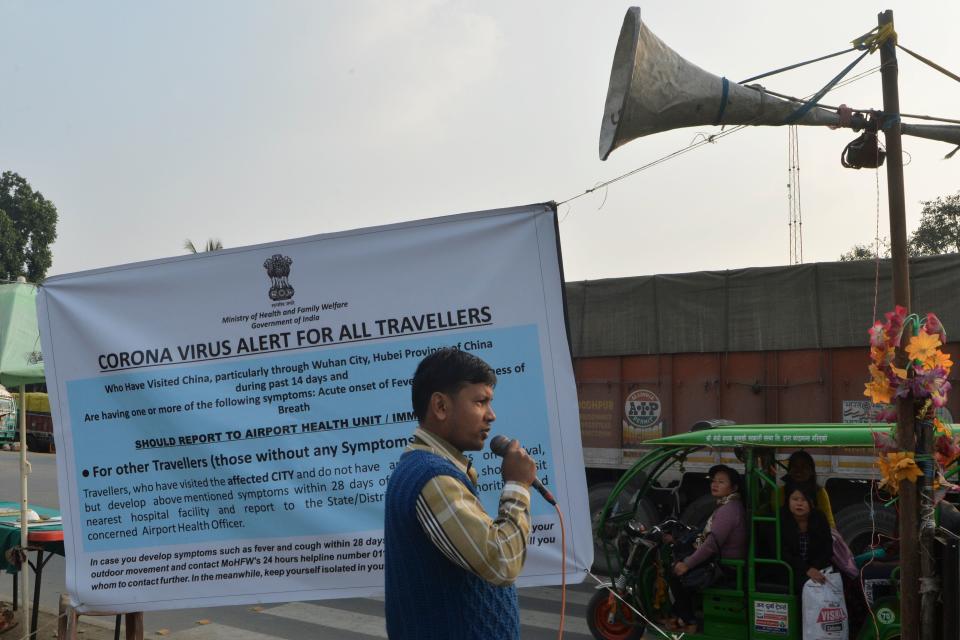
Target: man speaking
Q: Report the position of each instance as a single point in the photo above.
(449, 567)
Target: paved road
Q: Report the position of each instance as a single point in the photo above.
(354, 619)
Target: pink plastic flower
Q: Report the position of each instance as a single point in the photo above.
(887, 414)
(883, 442)
(894, 325)
(878, 337)
(933, 327)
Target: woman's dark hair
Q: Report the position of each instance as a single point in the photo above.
(447, 370)
(807, 488)
(805, 457)
(732, 474)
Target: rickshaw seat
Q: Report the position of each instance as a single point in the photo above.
(732, 581)
(723, 603)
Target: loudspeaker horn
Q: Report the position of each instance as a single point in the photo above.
(654, 89)
(939, 132)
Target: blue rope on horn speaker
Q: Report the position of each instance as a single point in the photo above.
(812, 102)
(723, 102)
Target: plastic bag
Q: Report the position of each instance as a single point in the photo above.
(825, 610)
(842, 558)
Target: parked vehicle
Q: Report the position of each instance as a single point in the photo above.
(39, 420)
(8, 417)
(762, 601)
(654, 355)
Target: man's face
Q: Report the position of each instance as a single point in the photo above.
(469, 414)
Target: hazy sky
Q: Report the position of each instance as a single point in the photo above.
(150, 123)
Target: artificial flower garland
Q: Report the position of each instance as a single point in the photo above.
(927, 387)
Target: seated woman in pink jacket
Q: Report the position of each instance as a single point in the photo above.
(724, 536)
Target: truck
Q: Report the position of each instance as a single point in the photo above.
(656, 356)
(8, 417)
(39, 420)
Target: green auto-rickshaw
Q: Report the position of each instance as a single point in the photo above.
(759, 599)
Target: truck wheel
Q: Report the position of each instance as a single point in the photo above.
(856, 526)
(32, 443)
(696, 513)
(600, 610)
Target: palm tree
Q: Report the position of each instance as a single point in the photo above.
(213, 244)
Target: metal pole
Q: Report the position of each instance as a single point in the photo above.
(929, 582)
(24, 507)
(906, 436)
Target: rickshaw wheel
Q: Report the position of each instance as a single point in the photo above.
(598, 619)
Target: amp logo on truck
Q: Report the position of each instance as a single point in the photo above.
(642, 409)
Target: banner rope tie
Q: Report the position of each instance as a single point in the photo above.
(875, 38)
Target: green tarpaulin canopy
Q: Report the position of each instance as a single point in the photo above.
(20, 364)
(20, 359)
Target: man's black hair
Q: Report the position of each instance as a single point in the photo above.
(447, 370)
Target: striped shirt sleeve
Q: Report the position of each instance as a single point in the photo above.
(456, 523)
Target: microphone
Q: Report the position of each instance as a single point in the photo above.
(499, 445)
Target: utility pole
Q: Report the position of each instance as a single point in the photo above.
(906, 435)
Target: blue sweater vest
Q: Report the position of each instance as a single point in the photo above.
(428, 597)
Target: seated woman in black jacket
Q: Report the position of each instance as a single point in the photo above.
(804, 535)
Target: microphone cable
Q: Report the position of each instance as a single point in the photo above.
(563, 572)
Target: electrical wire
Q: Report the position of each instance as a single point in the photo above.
(647, 620)
(41, 627)
(654, 163)
(930, 63)
(863, 586)
(797, 65)
(851, 80)
(876, 239)
(709, 139)
(795, 222)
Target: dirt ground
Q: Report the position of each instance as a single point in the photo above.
(91, 628)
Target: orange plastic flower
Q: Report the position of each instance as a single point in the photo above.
(896, 467)
(879, 391)
(923, 347)
(939, 359)
(906, 467)
(900, 373)
(943, 428)
(881, 355)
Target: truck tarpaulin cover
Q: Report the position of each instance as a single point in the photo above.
(814, 306)
(229, 420)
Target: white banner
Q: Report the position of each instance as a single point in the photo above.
(227, 422)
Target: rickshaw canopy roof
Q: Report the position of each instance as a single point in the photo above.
(806, 436)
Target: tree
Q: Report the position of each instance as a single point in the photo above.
(939, 230)
(866, 251)
(213, 244)
(28, 226)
